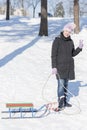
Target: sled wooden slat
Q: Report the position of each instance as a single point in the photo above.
(9, 105)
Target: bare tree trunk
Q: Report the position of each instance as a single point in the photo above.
(22, 4)
(44, 23)
(34, 12)
(76, 15)
(34, 4)
(8, 10)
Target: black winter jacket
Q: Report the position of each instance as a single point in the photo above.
(62, 55)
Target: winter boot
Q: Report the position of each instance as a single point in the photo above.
(66, 104)
(61, 103)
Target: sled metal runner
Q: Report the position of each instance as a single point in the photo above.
(24, 110)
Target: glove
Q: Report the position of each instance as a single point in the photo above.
(80, 44)
(54, 71)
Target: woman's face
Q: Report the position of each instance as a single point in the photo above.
(66, 33)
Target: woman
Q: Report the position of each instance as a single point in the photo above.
(63, 51)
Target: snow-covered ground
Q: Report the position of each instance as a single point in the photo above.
(25, 65)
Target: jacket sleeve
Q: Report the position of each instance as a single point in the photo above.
(54, 53)
(75, 51)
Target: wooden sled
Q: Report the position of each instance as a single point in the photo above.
(24, 110)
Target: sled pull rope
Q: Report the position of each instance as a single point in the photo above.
(43, 88)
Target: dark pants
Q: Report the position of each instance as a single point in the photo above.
(62, 88)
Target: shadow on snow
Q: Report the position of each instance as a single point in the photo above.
(74, 88)
(16, 52)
